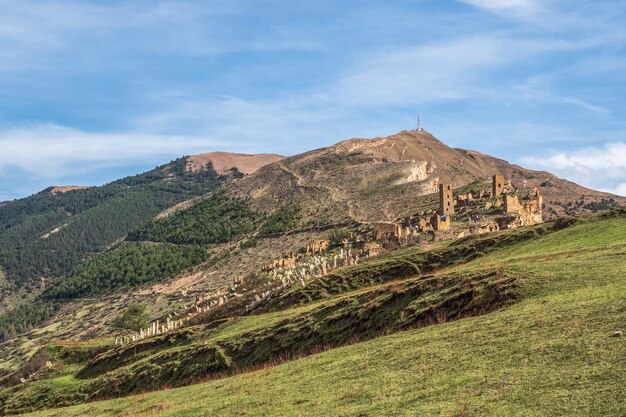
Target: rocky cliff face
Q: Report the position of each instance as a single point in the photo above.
(382, 179)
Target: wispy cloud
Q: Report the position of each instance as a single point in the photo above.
(41, 35)
(53, 152)
(119, 82)
(432, 71)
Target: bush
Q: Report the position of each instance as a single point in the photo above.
(250, 243)
(133, 319)
(337, 235)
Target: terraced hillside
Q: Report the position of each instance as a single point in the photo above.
(519, 322)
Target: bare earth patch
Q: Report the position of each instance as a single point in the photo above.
(223, 161)
(65, 188)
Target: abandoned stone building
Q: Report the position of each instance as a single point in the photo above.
(497, 185)
(446, 200)
(287, 259)
(372, 248)
(485, 210)
(526, 211)
(392, 234)
(441, 223)
(316, 246)
(482, 210)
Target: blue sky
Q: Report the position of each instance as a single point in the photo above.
(95, 90)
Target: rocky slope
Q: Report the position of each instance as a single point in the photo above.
(380, 179)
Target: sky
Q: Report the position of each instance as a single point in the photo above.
(91, 91)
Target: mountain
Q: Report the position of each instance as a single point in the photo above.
(214, 238)
(357, 181)
(44, 236)
(382, 179)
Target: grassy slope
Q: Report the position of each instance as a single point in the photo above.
(548, 354)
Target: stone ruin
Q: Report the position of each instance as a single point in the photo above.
(435, 221)
(238, 280)
(310, 268)
(155, 328)
(527, 210)
(390, 235)
(487, 210)
(519, 207)
(446, 200)
(497, 185)
(289, 258)
(316, 246)
(372, 249)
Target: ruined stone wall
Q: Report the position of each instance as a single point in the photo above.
(440, 223)
(316, 246)
(384, 231)
(511, 204)
(528, 209)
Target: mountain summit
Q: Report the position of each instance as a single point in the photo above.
(381, 179)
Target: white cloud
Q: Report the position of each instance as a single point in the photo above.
(52, 151)
(619, 189)
(601, 167)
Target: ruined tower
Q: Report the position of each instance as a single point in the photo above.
(446, 201)
(497, 185)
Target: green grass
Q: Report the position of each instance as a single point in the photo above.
(549, 353)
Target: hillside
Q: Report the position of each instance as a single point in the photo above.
(228, 262)
(375, 180)
(254, 220)
(222, 162)
(46, 236)
(518, 322)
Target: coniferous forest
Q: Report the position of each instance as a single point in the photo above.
(218, 219)
(47, 234)
(50, 234)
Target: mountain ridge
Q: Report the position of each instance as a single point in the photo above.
(403, 166)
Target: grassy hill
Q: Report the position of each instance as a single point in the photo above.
(514, 323)
(45, 236)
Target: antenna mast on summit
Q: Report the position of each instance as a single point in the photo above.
(419, 124)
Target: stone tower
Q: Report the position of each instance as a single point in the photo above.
(497, 185)
(446, 201)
